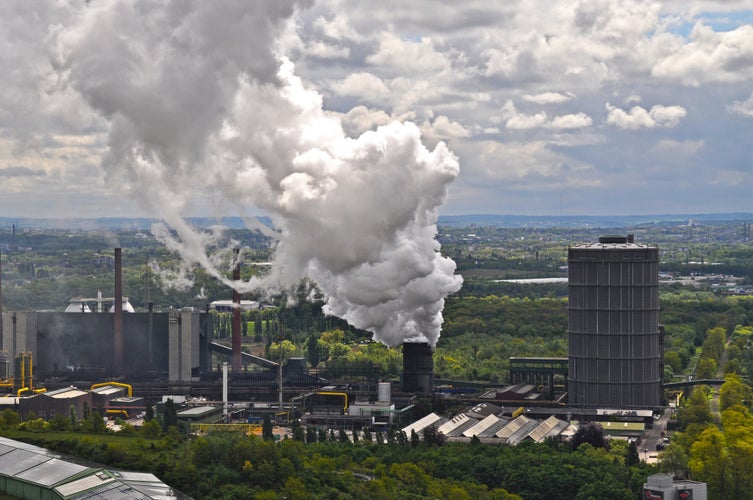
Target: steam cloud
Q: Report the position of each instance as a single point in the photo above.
(203, 110)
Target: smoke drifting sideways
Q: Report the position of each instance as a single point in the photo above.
(202, 106)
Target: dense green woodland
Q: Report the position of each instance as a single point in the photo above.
(321, 466)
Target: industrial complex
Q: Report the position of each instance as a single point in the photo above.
(118, 363)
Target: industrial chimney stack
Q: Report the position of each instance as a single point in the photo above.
(418, 368)
(236, 327)
(117, 364)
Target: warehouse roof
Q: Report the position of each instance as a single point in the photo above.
(22, 463)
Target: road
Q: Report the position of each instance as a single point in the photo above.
(647, 448)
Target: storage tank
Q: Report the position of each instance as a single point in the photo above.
(384, 392)
(418, 368)
(615, 357)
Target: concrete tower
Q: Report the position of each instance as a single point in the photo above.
(615, 358)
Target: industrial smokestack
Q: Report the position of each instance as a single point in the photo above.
(117, 364)
(236, 313)
(418, 368)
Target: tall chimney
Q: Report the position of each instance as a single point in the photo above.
(117, 364)
(418, 368)
(236, 313)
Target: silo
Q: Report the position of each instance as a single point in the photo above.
(614, 340)
(418, 368)
(384, 391)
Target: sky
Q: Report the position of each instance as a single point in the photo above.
(599, 107)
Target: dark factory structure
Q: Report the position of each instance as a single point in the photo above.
(614, 338)
(418, 368)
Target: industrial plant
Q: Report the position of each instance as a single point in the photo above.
(52, 360)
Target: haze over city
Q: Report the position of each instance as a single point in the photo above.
(561, 109)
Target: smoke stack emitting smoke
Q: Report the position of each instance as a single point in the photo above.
(203, 110)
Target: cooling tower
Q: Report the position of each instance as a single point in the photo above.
(418, 368)
(613, 325)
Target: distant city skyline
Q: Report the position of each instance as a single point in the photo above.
(552, 108)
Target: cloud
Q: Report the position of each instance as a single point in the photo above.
(711, 56)
(397, 53)
(363, 85)
(548, 97)
(21, 172)
(742, 108)
(673, 148)
(520, 121)
(638, 117)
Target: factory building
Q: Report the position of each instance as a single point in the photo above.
(168, 346)
(615, 346)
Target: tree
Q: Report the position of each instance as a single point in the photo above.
(414, 439)
(432, 436)
(734, 391)
(674, 460)
(696, 409)
(169, 415)
(591, 433)
(706, 368)
(709, 460)
(631, 455)
(149, 415)
(94, 423)
(297, 429)
(9, 419)
(285, 348)
(266, 429)
(151, 429)
(73, 417)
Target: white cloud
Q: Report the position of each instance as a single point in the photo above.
(742, 108)
(638, 117)
(548, 97)
(711, 56)
(327, 51)
(397, 54)
(520, 121)
(364, 85)
(442, 129)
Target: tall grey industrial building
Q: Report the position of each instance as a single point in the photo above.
(615, 345)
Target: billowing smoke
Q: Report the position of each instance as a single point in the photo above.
(204, 111)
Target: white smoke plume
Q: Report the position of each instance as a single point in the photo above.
(203, 109)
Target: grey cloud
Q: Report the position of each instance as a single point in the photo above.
(21, 172)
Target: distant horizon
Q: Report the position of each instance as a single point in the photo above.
(495, 219)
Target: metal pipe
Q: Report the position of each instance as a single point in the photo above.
(224, 389)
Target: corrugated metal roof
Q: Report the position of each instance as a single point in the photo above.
(71, 392)
(38, 466)
(513, 427)
(109, 389)
(452, 424)
(422, 423)
(552, 426)
(20, 460)
(481, 426)
(493, 429)
(51, 472)
(458, 431)
(198, 411)
(84, 484)
(522, 433)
